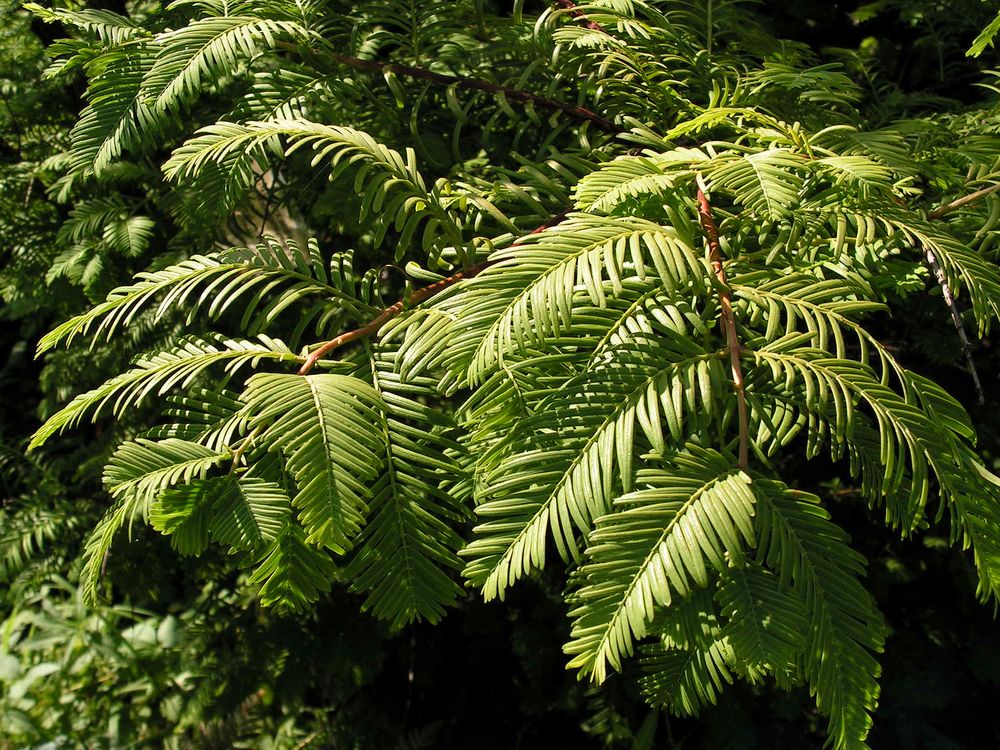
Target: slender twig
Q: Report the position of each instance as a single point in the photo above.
(27, 193)
(386, 315)
(965, 200)
(728, 321)
(956, 318)
(421, 295)
(477, 84)
(949, 298)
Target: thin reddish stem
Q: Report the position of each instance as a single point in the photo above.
(421, 295)
(727, 322)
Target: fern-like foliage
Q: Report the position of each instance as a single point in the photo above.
(389, 185)
(619, 346)
(412, 510)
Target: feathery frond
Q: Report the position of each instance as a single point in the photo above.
(809, 553)
(154, 375)
(292, 573)
(389, 185)
(329, 429)
(690, 515)
(412, 511)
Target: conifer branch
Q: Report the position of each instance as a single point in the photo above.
(421, 295)
(477, 84)
(728, 321)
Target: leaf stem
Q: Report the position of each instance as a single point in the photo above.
(238, 453)
(965, 200)
(728, 320)
(956, 318)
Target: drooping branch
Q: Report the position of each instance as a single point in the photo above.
(386, 315)
(477, 84)
(421, 295)
(517, 95)
(728, 321)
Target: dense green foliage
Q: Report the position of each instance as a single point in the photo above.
(629, 334)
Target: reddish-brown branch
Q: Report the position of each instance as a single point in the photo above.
(728, 323)
(580, 16)
(421, 295)
(372, 326)
(476, 84)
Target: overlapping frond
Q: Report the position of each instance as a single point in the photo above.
(766, 624)
(407, 551)
(812, 555)
(104, 24)
(213, 418)
(631, 177)
(142, 468)
(138, 472)
(117, 118)
(28, 531)
(111, 220)
(292, 573)
(692, 514)
(388, 184)
(912, 444)
(209, 49)
(685, 678)
(858, 171)
(330, 429)
(263, 280)
(183, 514)
(765, 182)
(155, 374)
(570, 459)
(826, 309)
(238, 509)
(248, 511)
(530, 291)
